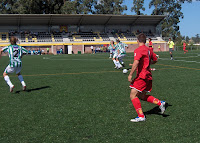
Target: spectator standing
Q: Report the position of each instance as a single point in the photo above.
(92, 49)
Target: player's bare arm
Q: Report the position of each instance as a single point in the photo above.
(1, 51)
(153, 62)
(154, 59)
(113, 45)
(134, 67)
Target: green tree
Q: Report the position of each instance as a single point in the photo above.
(31, 6)
(179, 39)
(137, 6)
(197, 38)
(6, 6)
(187, 39)
(78, 7)
(52, 6)
(87, 6)
(109, 7)
(28, 7)
(172, 10)
(69, 7)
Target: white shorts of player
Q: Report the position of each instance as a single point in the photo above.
(121, 56)
(115, 55)
(10, 69)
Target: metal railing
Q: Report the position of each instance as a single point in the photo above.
(190, 48)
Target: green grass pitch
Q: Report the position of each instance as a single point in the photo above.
(82, 98)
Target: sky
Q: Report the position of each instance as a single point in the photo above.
(188, 26)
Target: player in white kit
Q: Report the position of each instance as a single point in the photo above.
(15, 53)
(122, 51)
(111, 49)
(115, 55)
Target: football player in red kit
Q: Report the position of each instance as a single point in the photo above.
(184, 47)
(142, 83)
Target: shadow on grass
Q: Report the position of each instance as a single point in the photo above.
(156, 110)
(33, 89)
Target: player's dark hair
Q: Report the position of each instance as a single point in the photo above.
(13, 40)
(150, 39)
(142, 38)
(117, 40)
(112, 41)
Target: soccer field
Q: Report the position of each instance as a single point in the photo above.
(82, 98)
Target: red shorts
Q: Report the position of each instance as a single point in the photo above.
(184, 48)
(151, 49)
(141, 85)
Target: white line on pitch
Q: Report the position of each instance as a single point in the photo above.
(75, 59)
(180, 60)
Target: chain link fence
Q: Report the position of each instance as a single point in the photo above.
(189, 48)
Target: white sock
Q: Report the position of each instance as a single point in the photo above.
(7, 79)
(115, 62)
(118, 64)
(110, 55)
(21, 80)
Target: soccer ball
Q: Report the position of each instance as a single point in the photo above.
(125, 71)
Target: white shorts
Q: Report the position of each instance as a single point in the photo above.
(10, 69)
(115, 55)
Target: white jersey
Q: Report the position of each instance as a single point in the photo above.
(111, 49)
(122, 48)
(15, 53)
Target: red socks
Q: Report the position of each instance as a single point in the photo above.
(153, 100)
(138, 108)
(137, 104)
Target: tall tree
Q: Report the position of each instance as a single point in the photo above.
(52, 6)
(109, 7)
(87, 6)
(6, 6)
(78, 7)
(28, 7)
(187, 39)
(196, 39)
(138, 5)
(31, 6)
(69, 7)
(179, 39)
(172, 10)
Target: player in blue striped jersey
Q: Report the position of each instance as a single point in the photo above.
(15, 53)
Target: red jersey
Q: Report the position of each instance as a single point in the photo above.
(144, 55)
(184, 45)
(150, 44)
